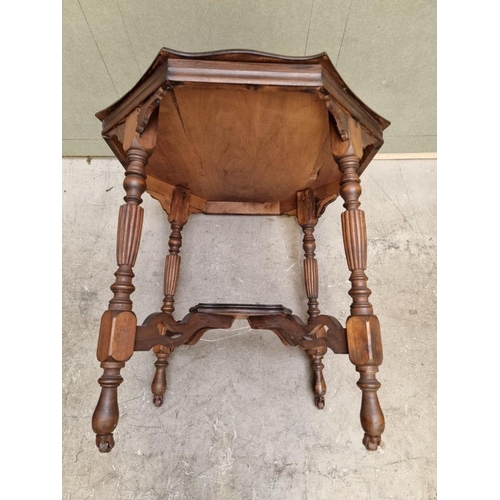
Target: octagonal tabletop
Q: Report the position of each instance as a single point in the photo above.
(244, 131)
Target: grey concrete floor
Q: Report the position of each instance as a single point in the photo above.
(239, 421)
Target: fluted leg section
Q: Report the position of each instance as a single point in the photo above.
(172, 266)
(178, 216)
(128, 238)
(105, 417)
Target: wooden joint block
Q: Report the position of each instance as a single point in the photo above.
(336, 340)
(306, 208)
(179, 207)
(364, 340)
(117, 335)
(346, 139)
(339, 116)
(162, 330)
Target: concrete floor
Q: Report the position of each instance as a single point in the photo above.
(239, 421)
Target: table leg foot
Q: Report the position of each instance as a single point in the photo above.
(372, 418)
(159, 384)
(319, 384)
(371, 443)
(105, 417)
(105, 443)
(157, 400)
(320, 402)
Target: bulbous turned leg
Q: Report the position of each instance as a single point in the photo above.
(319, 384)
(372, 418)
(159, 384)
(105, 417)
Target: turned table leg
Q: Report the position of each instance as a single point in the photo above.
(119, 324)
(363, 329)
(306, 214)
(178, 216)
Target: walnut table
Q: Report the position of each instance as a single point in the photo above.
(246, 133)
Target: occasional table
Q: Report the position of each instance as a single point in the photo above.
(244, 133)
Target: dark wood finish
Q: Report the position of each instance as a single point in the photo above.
(230, 118)
(363, 330)
(105, 417)
(162, 329)
(159, 384)
(288, 148)
(307, 217)
(319, 384)
(158, 73)
(118, 323)
(248, 133)
(241, 311)
(178, 216)
(199, 71)
(336, 335)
